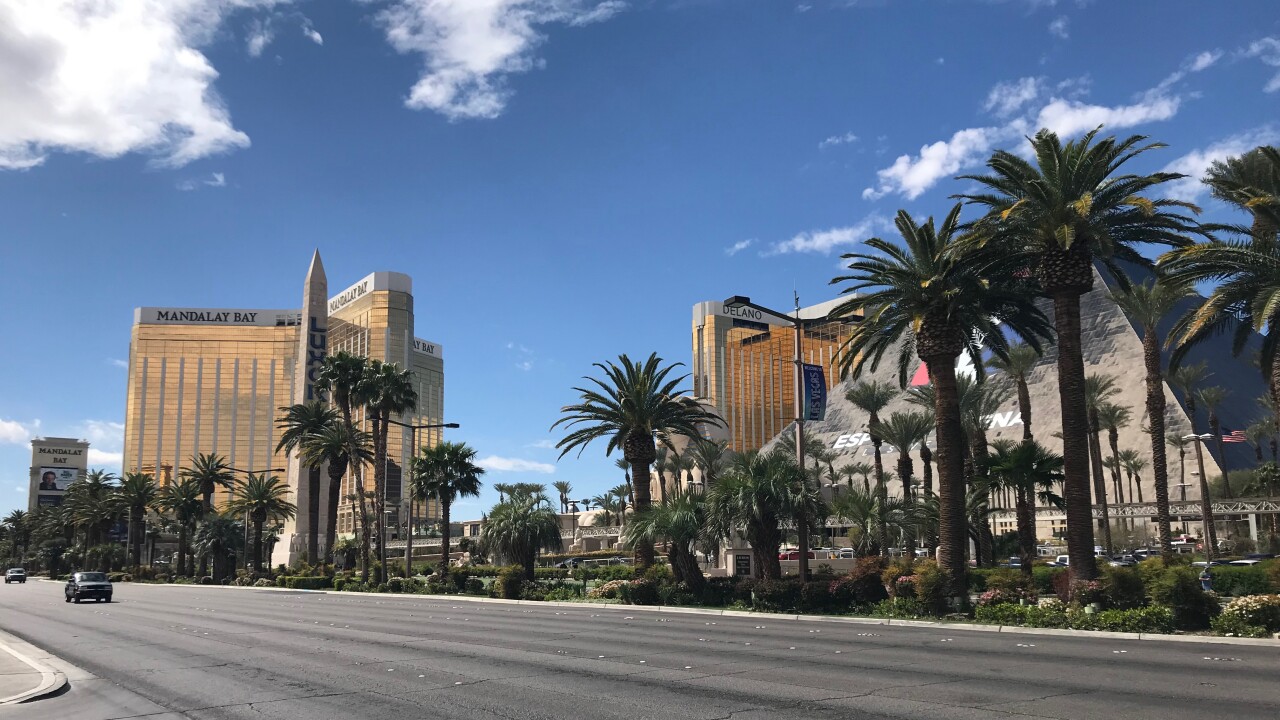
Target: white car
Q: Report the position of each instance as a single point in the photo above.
(1244, 562)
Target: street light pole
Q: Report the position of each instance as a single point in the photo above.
(408, 526)
(1206, 506)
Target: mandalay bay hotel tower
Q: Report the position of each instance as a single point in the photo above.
(213, 380)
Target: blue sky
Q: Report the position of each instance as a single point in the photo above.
(563, 179)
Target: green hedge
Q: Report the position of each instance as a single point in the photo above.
(1240, 581)
(303, 582)
(1153, 619)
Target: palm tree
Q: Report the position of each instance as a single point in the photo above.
(931, 297)
(219, 537)
(1211, 398)
(759, 493)
(95, 505)
(711, 457)
(263, 498)
(1133, 467)
(608, 507)
(682, 523)
(622, 493)
(341, 376)
(1057, 217)
(872, 397)
(1251, 182)
(903, 430)
(1257, 433)
(681, 465)
(503, 490)
(138, 491)
(622, 464)
(1018, 367)
(212, 472)
(1175, 440)
(565, 488)
(20, 530)
(1111, 418)
(184, 499)
(1147, 305)
(338, 446)
(858, 469)
(1028, 470)
(660, 467)
(520, 527)
(1097, 388)
(635, 408)
(296, 424)
(387, 390)
(445, 473)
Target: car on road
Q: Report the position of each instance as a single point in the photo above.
(87, 585)
(1246, 562)
(795, 555)
(571, 563)
(1211, 563)
(17, 575)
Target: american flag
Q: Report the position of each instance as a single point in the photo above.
(1233, 436)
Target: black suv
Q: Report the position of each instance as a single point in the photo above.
(88, 585)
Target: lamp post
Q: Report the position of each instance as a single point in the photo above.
(1182, 489)
(246, 512)
(1206, 506)
(408, 526)
(802, 524)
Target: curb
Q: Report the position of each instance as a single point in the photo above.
(969, 627)
(51, 679)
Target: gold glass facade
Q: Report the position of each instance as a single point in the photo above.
(212, 381)
(743, 365)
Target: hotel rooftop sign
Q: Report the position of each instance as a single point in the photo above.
(215, 316)
(397, 282)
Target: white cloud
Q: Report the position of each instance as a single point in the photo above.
(214, 180)
(103, 458)
(1059, 27)
(117, 362)
(912, 176)
(13, 432)
(470, 47)
(1204, 60)
(544, 444)
(105, 433)
(260, 35)
(1268, 51)
(844, 139)
(1194, 163)
(1069, 117)
(738, 247)
(824, 241)
(502, 464)
(112, 77)
(311, 33)
(1006, 98)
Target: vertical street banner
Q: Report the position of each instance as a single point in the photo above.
(815, 392)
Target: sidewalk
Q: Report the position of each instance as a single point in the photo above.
(24, 675)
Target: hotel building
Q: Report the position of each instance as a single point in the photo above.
(213, 380)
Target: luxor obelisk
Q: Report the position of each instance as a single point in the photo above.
(307, 531)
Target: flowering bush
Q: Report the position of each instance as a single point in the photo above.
(861, 586)
(1257, 610)
(1052, 603)
(1007, 596)
(1085, 592)
(610, 590)
(904, 587)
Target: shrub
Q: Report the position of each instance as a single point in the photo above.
(606, 573)
(206, 580)
(115, 577)
(815, 596)
(340, 584)
(1153, 619)
(1122, 588)
(300, 582)
(508, 584)
(931, 586)
(1086, 592)
(609, 591)
(531, 590)
(718, 591)
(640, 591)
(1000, 613)
(1178, 588)
(904, 607)
(861, 586)
(262, 582)
(776, 595)
(1044, 578)
(1006, 597)
(659, 573)
(550, 573)
(894, 570)
(474, 586)
(1240, 581)
(408, 585)
(1233, 626)
(1009, 581)
(436, 585)
(1273, 574)
(1258, 610)
(562, 593)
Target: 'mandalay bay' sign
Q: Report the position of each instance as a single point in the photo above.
(215, 316)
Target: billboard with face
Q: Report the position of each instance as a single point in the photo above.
(56, 479)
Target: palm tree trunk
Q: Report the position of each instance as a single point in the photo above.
(986, 541)
(1024, 408)
(882, 533)
(640, 477)
(1206, 504)
(379, 496)
(257, 545)
(1075, 431)
(1216, 429)
(313, 516)
(904, 473)
(444, 537)
(182, 549)
(1026, 529)
(1155, 422)
(364, 526)
(1099, 481)
(1117, 486)
(926, 462)
(335, 495)
(951, 490)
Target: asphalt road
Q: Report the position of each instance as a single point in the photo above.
(166, 653)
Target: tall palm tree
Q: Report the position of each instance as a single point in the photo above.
(1018, 366)
(930, 297)
(138, 491)
(564, 488)
(623, 494)
(503, 490)
(212, 472)
(871, 397)
(867, 512)
(1028, 470)
(608, 506)
(1133, 465)
(1112, 418)
(1147, 305)
(1258, 433)
(1058, 216)
(519, 528)
(1097, 389)
(387, 390)
(445, 473)
(635, 407)
(622, 464)
(759, 493)
(903, 430)
(1175, 440)
(1251, 182)
(858, 469)
(20, 530)
(710, 456)
(660, 467)
(219, 537)
(338, 447)
(1212, 398)
(262, 497)
(682, 522)
(95, 505)
(184, 499)
(296, 424)
(341, 377)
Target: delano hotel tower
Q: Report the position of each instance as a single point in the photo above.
(212, 380)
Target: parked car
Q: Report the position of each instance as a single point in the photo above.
(1211, 563)
(87, 585)
(17, 575)
(1060, 561)
(1246, 562)
(794, 555)
(847, 554)
(571, 563)
(1258, 556)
